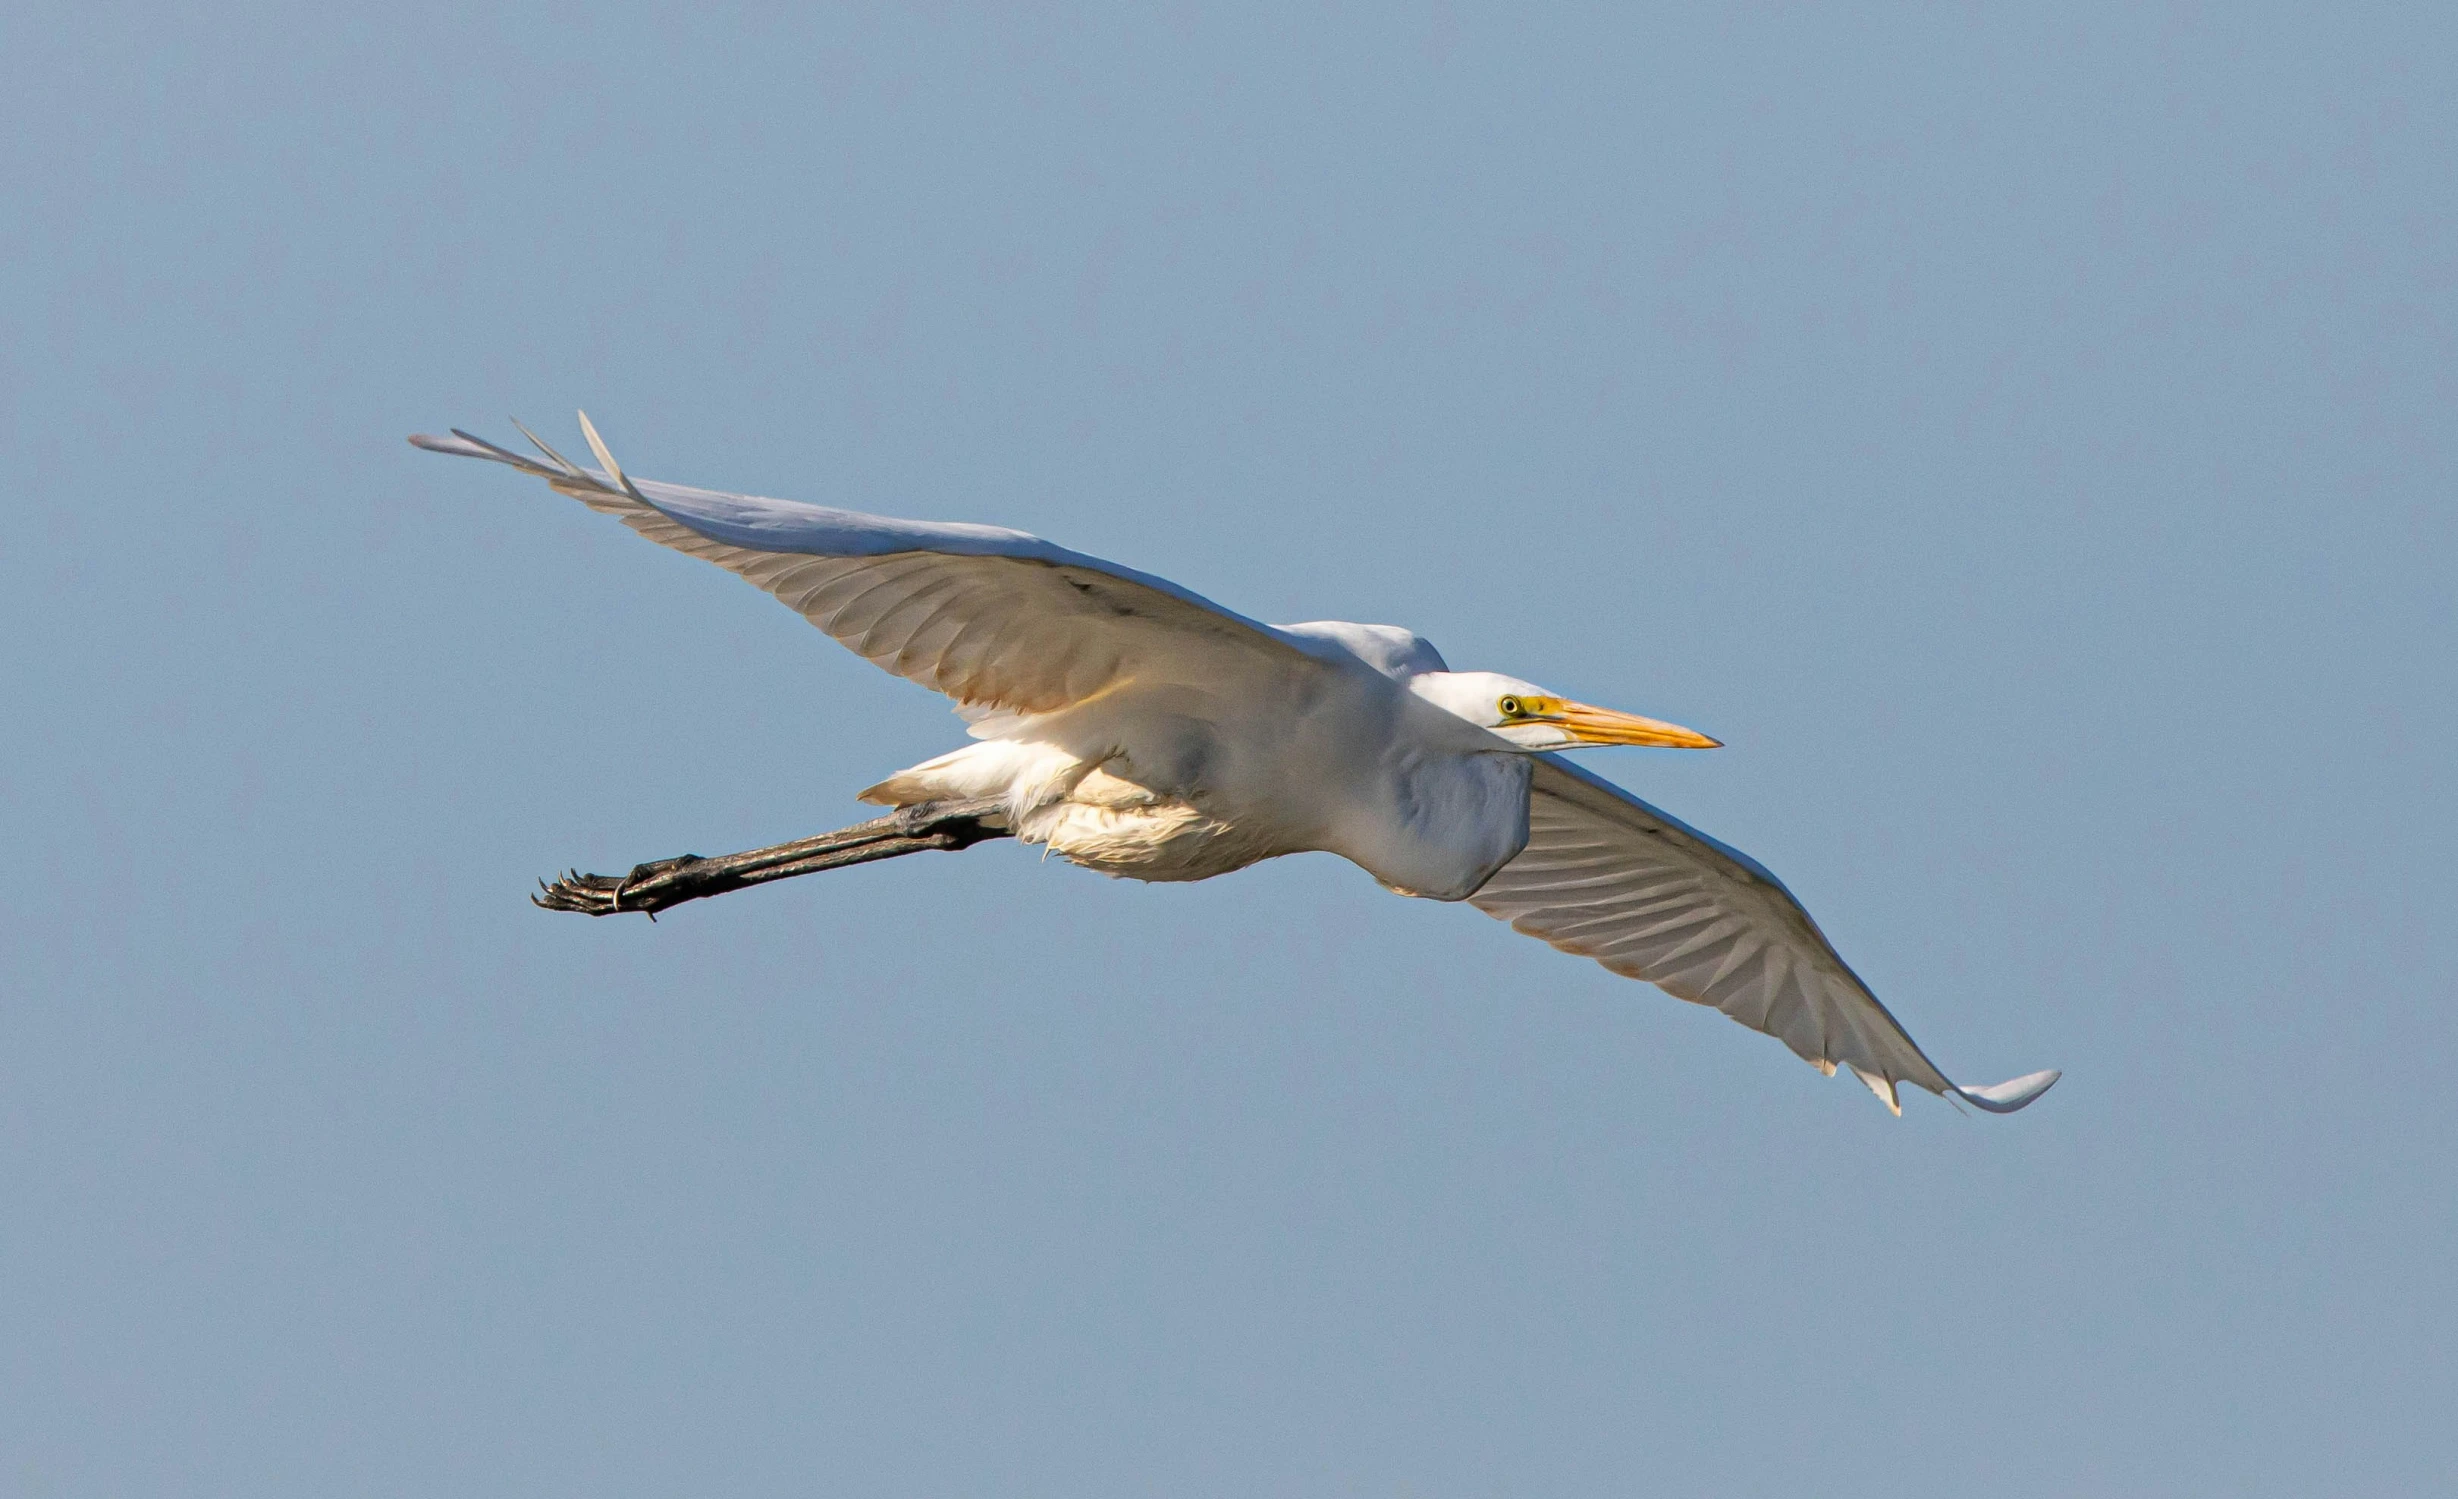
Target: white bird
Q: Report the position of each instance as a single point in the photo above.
(1140, 730)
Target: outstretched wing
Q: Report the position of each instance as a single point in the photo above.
(1608, 877)
(996, 619)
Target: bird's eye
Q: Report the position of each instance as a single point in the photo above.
(1512, 707)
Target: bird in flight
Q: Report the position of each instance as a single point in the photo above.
(1138, 729)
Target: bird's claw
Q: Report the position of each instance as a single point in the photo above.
(648, 889)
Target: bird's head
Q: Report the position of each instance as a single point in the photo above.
(1532, 718)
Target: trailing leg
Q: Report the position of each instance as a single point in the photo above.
(652, 887)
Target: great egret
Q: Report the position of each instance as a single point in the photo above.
(1143, 731)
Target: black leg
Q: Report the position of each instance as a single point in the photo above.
(652, 887)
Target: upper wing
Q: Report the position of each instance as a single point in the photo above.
(996, 619)
(1609, 877)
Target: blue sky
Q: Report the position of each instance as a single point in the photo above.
(2026, 439)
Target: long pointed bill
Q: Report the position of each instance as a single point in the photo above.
(1592, 725)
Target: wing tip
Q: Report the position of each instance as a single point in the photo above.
(2012, 1094)
(1883, 1086)
(562, 472)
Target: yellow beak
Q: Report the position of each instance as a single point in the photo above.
(1591, 725)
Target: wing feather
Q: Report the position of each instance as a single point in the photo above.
(996, 619)
(1606, 876)
(931, 635)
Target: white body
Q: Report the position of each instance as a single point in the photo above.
(1179, 781)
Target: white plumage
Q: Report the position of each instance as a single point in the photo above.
(1141, 730)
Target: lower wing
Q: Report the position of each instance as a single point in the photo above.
(1609, 877)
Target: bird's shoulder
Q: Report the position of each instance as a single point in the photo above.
(1389, 649)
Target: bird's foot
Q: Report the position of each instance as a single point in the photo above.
(649, 888)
